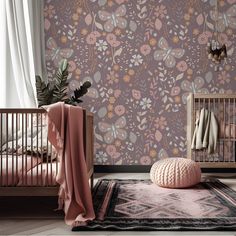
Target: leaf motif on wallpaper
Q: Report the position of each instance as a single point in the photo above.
(200, 19)
(142, 125)
(168, 106)
(209, 77)
(158, 24)
(209, 25)
(143, 11)
(119, 162)
(179, 76)
(98, 25)
(102, 112)
(116, 54)
(100, 2)
(158, 136)
(164, 99)
(97, 136)
(132, 25)
(132, 137)
(230, 51)
(88, 19)
(167, 54)
(162, 154)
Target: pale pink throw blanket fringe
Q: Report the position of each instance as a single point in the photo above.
(65, 132)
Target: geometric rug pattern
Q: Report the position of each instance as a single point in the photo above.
(142, 205)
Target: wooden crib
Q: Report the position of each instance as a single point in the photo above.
(28, 162)
(224, 108)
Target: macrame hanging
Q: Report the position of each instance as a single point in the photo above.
(216, 51)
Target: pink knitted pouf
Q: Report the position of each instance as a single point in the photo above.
(175, 173)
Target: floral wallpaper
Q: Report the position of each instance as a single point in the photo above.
(142, 57)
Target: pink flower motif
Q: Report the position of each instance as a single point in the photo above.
(120, 110)
(49, 11)
(208, 33)
(182, 66)
(72, 66)
(111, 150)
(203, 38)
(175, 91)
(145, 49)
(223, 38)
(115, 155)
(111, 38)
(160, 11)
(145, 160)
(223, 77)
(112, 77)
(96, 34)
(117, 93)
(136, 94)
(115, 44)
(160, 122)
(47, 24)
(91, 39)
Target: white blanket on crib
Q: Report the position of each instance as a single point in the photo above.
(33, 139)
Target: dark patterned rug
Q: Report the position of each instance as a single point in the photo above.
(141, 205)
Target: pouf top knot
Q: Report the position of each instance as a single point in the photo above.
(175, 173)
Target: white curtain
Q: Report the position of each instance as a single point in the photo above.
(22, 51)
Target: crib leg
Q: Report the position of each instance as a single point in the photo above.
(91, 182)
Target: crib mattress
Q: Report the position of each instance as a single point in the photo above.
(26, 171)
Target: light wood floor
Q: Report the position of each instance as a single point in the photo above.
(14, 217)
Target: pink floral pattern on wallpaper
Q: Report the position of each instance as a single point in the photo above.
(143, 58)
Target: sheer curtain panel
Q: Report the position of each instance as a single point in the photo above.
(21, 28)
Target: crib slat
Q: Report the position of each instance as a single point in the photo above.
(47, 182)
(224, 111)
(17, 126)
(229, 139)
(37, 147)
(1, 121)
(234, 129)
(12, 133)
(31, 132)
(26, 146)
(7, 138)
(199, 109)
(51, 164)
(22, 163)
(42, 151)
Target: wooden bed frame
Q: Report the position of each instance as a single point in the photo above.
(46, 190)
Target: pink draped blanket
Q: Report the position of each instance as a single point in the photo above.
(65, 132)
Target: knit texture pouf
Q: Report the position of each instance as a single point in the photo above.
(175, 173)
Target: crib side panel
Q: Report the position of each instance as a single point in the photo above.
(26, 156)
(223, 107)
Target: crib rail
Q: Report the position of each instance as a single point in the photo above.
(26, 156)
(224, 108)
